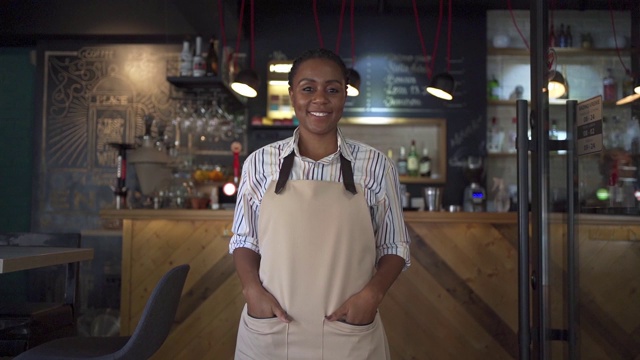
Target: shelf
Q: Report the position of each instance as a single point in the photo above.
(551, 102)
(561, 52)
(420, 180)
(207, 84)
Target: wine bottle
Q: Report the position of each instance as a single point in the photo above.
(402, 162)
(186, 60)
(412, 160)
(199, 65)
(425, 163)
(212, 57)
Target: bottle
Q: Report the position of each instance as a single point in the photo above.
(199, 65)
(552, 36)
(569, 36)
(412, 160)
(512, 136)
(493, 88)
(553, 131)
(186, 60)
(562, 37)
(212, 57)
(402, 162)
(610, 90)
(495, 137)
(425, 163)
(501, 200)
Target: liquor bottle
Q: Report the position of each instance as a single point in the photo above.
(425, 163)
(402, 162)
(493, 88)
(199, 65)
(212, 57)
(610, 88)
(186, 60)
(569, 36)
(552, 36)
(562, 37)
(412, 160)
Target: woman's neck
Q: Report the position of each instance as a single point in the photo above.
(317, 147)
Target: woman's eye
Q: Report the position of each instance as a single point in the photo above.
(307, 89)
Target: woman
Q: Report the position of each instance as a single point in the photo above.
(319, 235)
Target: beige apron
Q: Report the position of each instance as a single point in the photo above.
(318, 249)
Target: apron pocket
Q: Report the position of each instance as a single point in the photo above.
(261, 338)
(346, 341)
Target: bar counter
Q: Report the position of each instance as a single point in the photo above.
(457, 300)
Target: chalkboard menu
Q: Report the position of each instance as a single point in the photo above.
(395, 85)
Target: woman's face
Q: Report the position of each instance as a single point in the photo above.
(318, 93)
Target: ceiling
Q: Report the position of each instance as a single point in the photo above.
(23, 22)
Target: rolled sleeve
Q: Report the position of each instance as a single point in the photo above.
(392, 236)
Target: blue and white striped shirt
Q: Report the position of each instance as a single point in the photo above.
(371, 169)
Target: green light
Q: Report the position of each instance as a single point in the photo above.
(602, 194)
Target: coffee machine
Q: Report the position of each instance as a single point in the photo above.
(475, 196)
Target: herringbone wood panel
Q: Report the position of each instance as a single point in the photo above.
(458, 300)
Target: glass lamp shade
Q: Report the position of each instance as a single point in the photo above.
(442, 86)
(557, 86)
(246, 83)
(353, 87)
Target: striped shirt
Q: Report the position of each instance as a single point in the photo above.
(371, 169)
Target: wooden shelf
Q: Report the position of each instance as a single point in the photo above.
(420, 180)
(561, 52)
(552, 102)
(206, 84)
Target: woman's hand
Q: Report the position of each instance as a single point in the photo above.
(262, 305)
(359, 309)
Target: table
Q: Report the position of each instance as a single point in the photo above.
(16, 258)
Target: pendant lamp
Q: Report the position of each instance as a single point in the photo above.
(557, 85)
(246, 82)
(442, 86)
(353, 87)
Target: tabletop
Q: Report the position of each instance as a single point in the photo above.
(16, 258)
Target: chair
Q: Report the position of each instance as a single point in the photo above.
(150, 333)
(36, 314)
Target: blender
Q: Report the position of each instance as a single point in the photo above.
(475, 196)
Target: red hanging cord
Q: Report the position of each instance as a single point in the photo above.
(353, 38)
(419, 28)
(223, 34)
(240, 27)
(435, 43)
(315, 16)
(449, 39)
(344, 3)
(513, 19)
(252, 45)
(615, 39)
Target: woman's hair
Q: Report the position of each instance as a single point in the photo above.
(318, 54)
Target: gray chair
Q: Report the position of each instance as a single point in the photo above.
(150, 333)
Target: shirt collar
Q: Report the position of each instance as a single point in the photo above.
(343, 147)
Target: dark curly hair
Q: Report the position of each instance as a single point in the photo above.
(318, 54)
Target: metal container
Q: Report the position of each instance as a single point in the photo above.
(432, 198)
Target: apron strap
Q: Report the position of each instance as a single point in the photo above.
(285, 171)
(347, 175)
(287, 165)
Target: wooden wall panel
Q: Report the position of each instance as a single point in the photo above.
(458, 300)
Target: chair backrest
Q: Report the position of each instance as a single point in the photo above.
(157, 317)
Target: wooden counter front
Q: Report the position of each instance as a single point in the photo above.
(458, 300)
